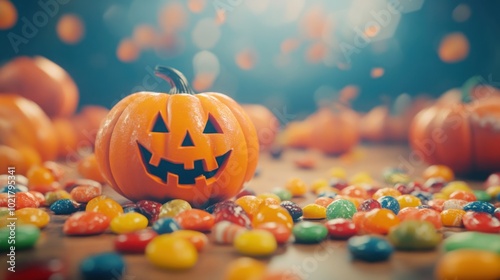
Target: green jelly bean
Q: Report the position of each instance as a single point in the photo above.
(283, 194)
(309, 232)
(22, 237)
(341, 208)
(482, 195)
(473, 240)
(414, 235)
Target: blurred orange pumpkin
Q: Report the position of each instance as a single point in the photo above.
(41, 81)
(66, 134)
(266, 124)
(297, 134)
(87, 123)
(23, 123)
(21, 158)
(461, 135)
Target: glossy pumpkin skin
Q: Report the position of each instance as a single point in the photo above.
(266, 124)
(41, 81)
(463, 136)
(161, 146)
(23, 123)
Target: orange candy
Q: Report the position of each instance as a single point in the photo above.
(355, 191)
(84, 194)
(386, 192)
(452, 217)
(438, 171)
(379, 221)
(323, 201)
(87, 167)
(463, 195)
(41, 179)
(107, 207)
(272, 213)
(251, 204)
(296, 186)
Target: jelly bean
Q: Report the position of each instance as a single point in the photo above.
(414, 235)
(64, 207)
(454, 204)
(355, 191)
(103, 266)
(46, 268)
(134, 242)
(314, 212)
(426, 214)
(369, 248)
(341, 228)
(250, 204)
(171, 252)
(497, 213)
(225, 232)
(438, 171)
(309, 232)
(130, 207)
(404, 188)
(195, 219)
(24, 200)
(423, 196)
(323, 201)
(273, 213)
(173, 207)
(281, 232)
(150, 209)
(283, 194)
(361, 178)
(463, 195)
(338, 183)
(51, 197)
(84, 194)
(327, 193)
(165, 225)
(379, 221)
(455, 186)
(26, 237)
(386, 192)
(356, 201)
(395, 175)
(468, 264)
(267, 195)
(255, 243)
(34, 216)
(493, 191)
(232, 213)
(437, 204)
(106, 206)
(480, 221)
(479, 206)
(39, 196)
(482, 195)
(70, 185)
(434, 185)
(40, 179)
(452, 217)
(198, 239)
(11, 189)
(245, 191)
(305, 162)
(340, 209)
(245, 268)
(293, 209)
(337, 173)
(86, 223)
(93, 202)
(296, 186)
(316, 185)
(368, 205)
(389, 202)
(128, 222)
(19, 179)
(407, 200)
(473, 240)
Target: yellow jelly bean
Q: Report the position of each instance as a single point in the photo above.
(34, 216)
(314, 212)
(468, 264)
(255, 243)
(171, 252)
(263, 196)
(361, 178)
(408, 200)
(245, 268)
(493, 191)
(128, 222)
(174, 207)
(455, 186)
(319, 184)
(107, 207)
(338, 172)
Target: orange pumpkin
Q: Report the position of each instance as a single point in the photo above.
(23, 123)
(335, 130)
(266, 124)
(87, 123)
(297, 134)
(463, 136)
(66, 134)
(159, 146)
(21, 158)
(42, 81)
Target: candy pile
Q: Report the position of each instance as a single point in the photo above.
(375, 221)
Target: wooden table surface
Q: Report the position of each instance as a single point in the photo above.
(328, 260)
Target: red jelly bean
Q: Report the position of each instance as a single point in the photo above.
(150, 209)
(437, 204)
(369, 204)
(232, 213)
(195, 219)
(424, 214)
(341, 228)
(280, 231)
(39, 196)
(86, 223)
(405, 212)
(480, 221)
(134, 242)
(84, 194)
(26, 199)
(81, 182)
(463, 195)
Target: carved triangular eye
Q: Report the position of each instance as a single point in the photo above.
(212, 126)
(159, 125)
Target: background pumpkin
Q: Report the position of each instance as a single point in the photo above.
(147, 131)
(23, 123)
(266, 124)
(41, 81)
(461, 135)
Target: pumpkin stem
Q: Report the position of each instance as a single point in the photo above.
(176, 80)
(469, 85)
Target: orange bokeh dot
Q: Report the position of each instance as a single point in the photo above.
(316, 52)
(314, 22)
(70, 29)
(289, 45)
(196, 6)
(246, 59)
(172, 17)
(377, 72)
(454, 47)
(144, 36)
(127, 50)
(8, 14)
(203, 81)
(372, 30)
(348, 93)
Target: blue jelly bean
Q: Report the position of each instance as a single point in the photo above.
(129, 209)
(166, 225)
(103, 266)
(423, 196)
(370, 248)
(64, 207)
(389, 202)
(327, 194)
(293, 209)
(480, 206)
(12, 189)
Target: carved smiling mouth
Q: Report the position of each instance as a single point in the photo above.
(186, 176)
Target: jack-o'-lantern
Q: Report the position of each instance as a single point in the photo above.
(41, 81)
(24, 124)
(160, 146)
(462, 135)
(266, 124)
